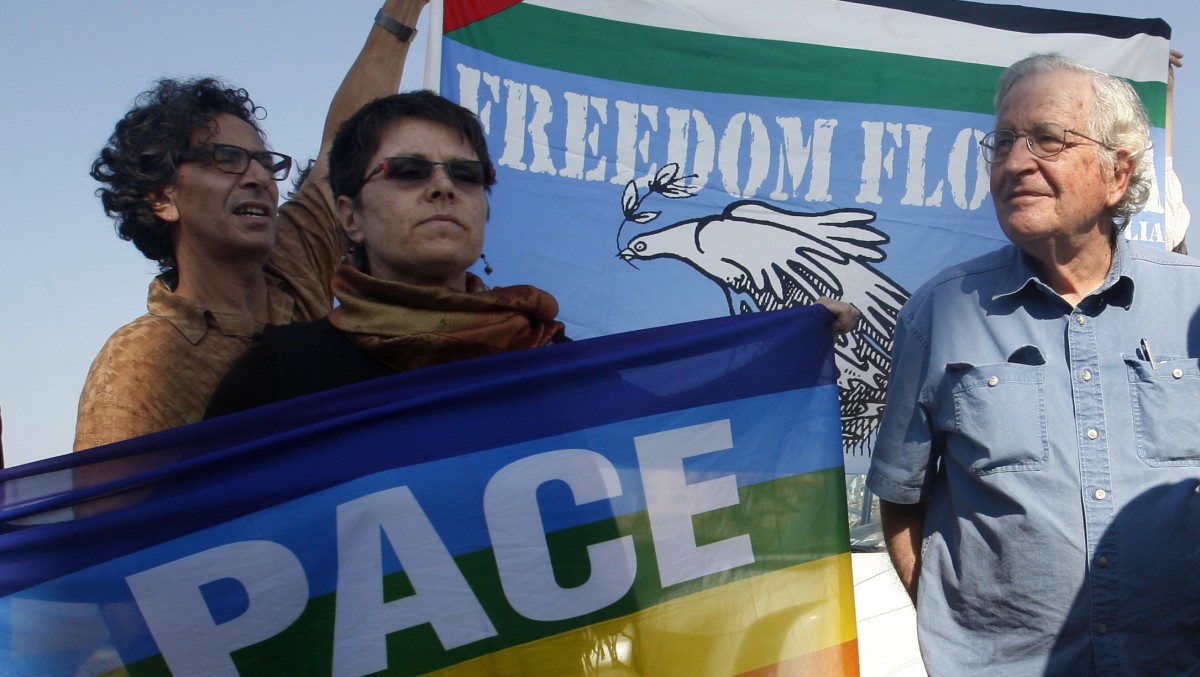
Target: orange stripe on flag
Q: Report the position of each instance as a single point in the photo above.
(836, 660)
(780, 623)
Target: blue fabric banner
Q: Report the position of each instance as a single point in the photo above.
(457, 514)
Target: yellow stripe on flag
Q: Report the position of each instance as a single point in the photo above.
(785, 622)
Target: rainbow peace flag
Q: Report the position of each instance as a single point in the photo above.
(661, 162)
(662, 502)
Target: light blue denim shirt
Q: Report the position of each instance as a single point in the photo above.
(1059, 466)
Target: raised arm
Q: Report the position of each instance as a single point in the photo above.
(1174, 61)
(1177, 216)
(375, 73)
(310, 241)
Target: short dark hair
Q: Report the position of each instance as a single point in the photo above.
(358, 137)
(139, 158)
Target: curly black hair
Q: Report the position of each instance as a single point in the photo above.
(138, 161)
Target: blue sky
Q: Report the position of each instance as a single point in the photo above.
(69, 70)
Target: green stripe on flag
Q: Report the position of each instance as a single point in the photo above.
(677, 59)
(790, 521)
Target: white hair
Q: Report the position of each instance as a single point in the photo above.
(1119, 120)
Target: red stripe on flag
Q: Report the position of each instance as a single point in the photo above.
(459, 13)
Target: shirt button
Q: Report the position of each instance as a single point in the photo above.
(993, 380)
(1092, 434)
(1100, 494)
(1087, 374)
(1079, 319)
(1103, 628)
(1177, 373)
(1102, 561)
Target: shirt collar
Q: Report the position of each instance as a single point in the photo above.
(194, 321)
(1117, 288)
(1119, 285)
(187, 317)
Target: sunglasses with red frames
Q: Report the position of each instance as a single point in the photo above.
(413, 169)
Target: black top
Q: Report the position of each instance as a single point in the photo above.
(289, 361)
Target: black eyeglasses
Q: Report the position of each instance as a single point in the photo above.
(412, 169)
(1045, 140)
(236, 160)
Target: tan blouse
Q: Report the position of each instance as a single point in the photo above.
(160, 370)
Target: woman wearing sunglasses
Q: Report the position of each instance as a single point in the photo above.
(410, 173)
(188, 179)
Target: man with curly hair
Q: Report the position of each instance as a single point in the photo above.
(188, 179)
(1038, 463)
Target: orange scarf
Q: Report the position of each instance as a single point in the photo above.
(407, 326)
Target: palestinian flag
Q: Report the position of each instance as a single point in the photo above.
(661, 162)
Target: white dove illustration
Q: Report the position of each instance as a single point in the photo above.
(765, 258)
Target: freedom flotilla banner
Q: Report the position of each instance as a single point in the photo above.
(660, 162)
(662, 502)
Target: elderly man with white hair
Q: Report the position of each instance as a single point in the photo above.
(1039, 458)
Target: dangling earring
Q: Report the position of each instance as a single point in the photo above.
(351, 254)
(487, 267)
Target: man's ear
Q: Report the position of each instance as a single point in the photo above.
(1122, 172)
(348, 217)
(164, 205)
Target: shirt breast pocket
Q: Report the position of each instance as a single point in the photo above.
(998, 412)
(1166, 410)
